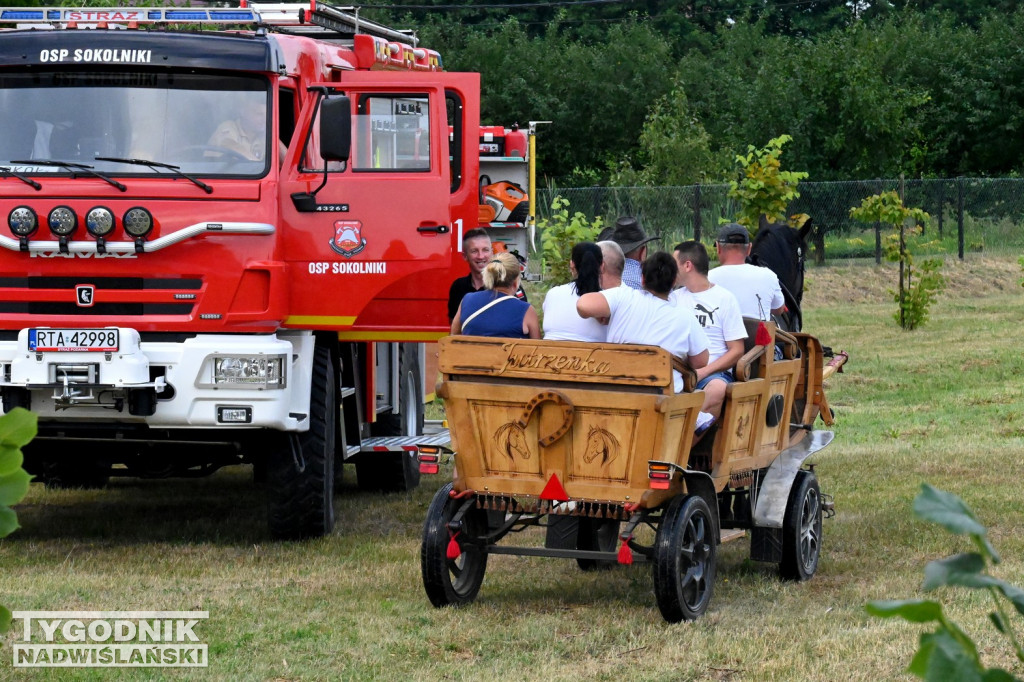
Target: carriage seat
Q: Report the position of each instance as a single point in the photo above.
(754, 354)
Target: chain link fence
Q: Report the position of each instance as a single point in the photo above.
(967, 214)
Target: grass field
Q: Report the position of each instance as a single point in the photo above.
(942, 404)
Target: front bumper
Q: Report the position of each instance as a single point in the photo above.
(173, 380)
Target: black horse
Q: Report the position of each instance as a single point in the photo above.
(783, 250)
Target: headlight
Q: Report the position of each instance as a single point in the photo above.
(23, 221)
(138, 222)
(258, 371)
(99, 221)
(63, 221)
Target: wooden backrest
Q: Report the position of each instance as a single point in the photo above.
(645, 368)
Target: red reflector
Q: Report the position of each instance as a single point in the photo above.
(554, 490)
(429, 458)
(660, 484)
(659, 474)
(427, 468)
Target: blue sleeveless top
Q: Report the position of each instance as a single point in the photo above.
(504, 318)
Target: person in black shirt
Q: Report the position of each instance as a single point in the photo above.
(476, 250)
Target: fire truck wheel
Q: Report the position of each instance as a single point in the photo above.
(684, 559)
(801, 529)
(66, 475)
(397, 471)
(300, 484)
(452, 581)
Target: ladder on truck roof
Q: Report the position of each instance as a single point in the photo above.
(314, 19)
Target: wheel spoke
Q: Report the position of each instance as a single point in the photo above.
(693, 585)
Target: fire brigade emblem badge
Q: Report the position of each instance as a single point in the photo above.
(348, 239)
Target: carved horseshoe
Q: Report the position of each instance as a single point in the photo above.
(559, 399)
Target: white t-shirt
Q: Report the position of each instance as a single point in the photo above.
(640, 317)
(563, 323)
(718, 313)
(756, 288)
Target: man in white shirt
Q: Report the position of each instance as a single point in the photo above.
(613, 263)
(757, 289)
(649, 316)
(718, 313)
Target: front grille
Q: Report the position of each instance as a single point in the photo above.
(136, 309)
(119, 283)
(25, 296)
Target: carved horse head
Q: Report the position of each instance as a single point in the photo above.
(511, 441)
(600, 443)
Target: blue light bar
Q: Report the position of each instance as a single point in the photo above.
(143, 15)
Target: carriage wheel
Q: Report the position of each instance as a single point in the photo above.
(801, 529)
(452, 581)
(600, 535)
(684, 559)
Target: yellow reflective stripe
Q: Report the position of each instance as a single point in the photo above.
(319, 321)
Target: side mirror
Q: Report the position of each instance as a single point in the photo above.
(335, 128)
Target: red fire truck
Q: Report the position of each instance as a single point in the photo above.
(228, 246)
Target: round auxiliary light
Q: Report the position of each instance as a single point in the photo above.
(99, 221)
(63, 221)
(23, 221)
(138, 222)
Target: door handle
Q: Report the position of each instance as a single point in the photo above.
(436, 229)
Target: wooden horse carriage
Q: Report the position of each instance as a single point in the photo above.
(590, 442)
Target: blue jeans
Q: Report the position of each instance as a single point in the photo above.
(724, 375)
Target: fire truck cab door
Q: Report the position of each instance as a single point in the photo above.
(372, 254)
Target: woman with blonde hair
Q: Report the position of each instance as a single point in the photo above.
(496, 311)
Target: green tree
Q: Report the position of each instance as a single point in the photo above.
(675, 149)
(764, 190)
(559, 234)
(914, 297)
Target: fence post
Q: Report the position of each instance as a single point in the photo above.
(878, 228)
(942, 204)
(696, 213)
(960, 217)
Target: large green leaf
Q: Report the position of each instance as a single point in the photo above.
(947, 510)
(959, 569)
(8, 521)
(913, 610)
(943, 657)
(1014, 594)
(18, 427)
(13, 487)
(953, 514)
(11, 459)
(5, 619)
(998, 675)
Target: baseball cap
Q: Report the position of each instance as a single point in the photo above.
(733, 233)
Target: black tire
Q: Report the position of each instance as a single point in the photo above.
(300, 504)
(74, 475)
(397, 471)
(600, 535)
(684, 559)
(801, 529)
(452, 582)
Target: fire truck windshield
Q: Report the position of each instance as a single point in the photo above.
(204, 124)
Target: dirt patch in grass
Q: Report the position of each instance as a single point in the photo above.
(860, 282)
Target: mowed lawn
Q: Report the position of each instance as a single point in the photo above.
(942, 404)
